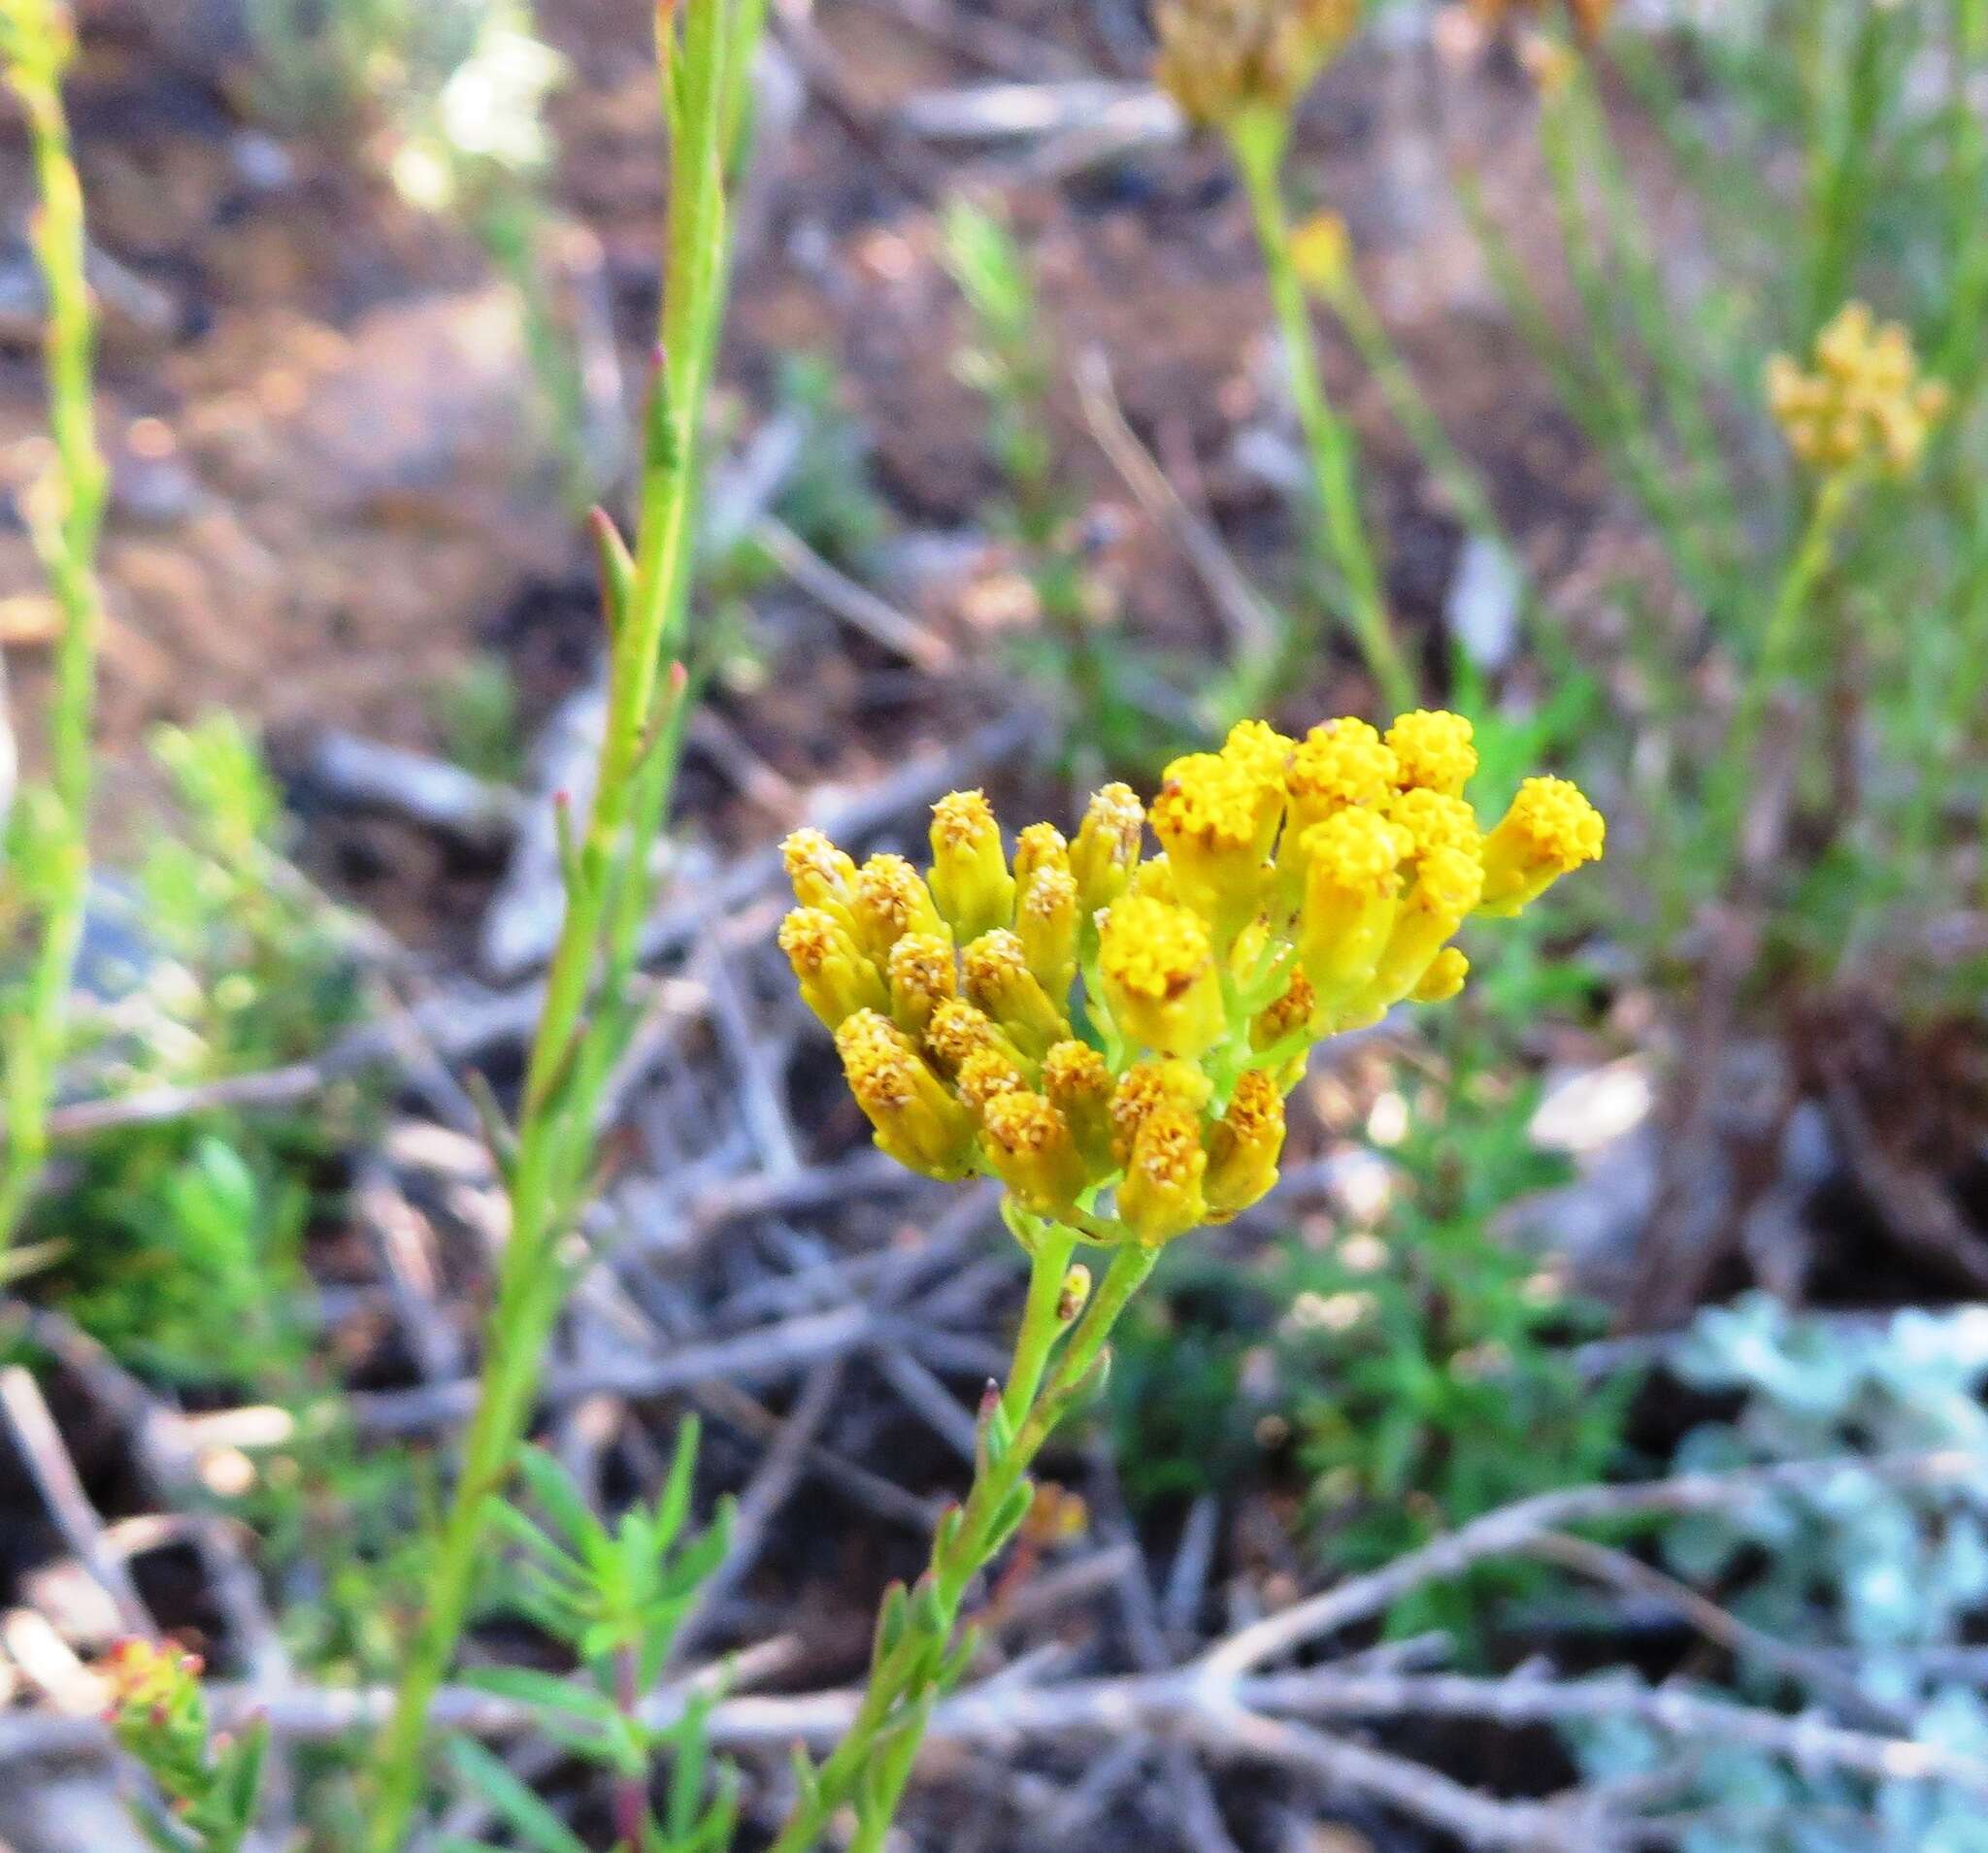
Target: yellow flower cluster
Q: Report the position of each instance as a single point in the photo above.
(1219, 58)
(1111, 1034)
(1865, 402)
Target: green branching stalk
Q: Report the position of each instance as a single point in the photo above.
(705, 62)
(920, 1647)
(1258, 140)
(66, 516)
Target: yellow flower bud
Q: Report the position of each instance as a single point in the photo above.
(1432, 749)
(822, 876)
(916, 1120)
(970, 878)
(995, 969)
(1352, 886)
(1221, 59)
(1322, 254)
(923, 976)
(986, 1075)
(1296, 1012)
(1338, 763)
(1030, 1148)
(1263, 755)
(1245, 1146)
(836, 980)
(1161, 1194)
(1079, 1085)
(1444, 977)
(1045, 921)
(890, 902)
(1161, 985)
(1214, 819)
(1153, 880)
(1864, 404)
(1430, 821)
(1041, 846)
(1107, 847)
(1447, 886)
(958, 1030)
(1550, 830)
(1147, 1086)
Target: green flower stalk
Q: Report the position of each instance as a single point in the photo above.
(1241, 67)
(704, 49)
(50, 840)
(1124, 1077)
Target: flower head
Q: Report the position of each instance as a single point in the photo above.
(1550, 831)
(916, 1119)
(836, 978)
(1158, 966)
(970, 878)
(1864, 404)
(1432, 752)
(1220, 58)
(1112, 1035)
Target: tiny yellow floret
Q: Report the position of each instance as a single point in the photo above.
(923, 975)
(1245, 1146)
(818, 871)
(1157, 964)
(1433, 820)
(835, 977)
(915, 1118)
(1031, 1148)
(1161, 1195)
(1107, 847)
(995, 970)
(892, 899)
(969, 877)
(1338, 763)
(1432, 750)
(1550, 831)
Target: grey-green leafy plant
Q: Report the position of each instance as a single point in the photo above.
(1882, 1582)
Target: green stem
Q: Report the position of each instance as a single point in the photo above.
(1258, 142)
(905, 1675)
(36, 41)
(582, 1020)
(1782, 630)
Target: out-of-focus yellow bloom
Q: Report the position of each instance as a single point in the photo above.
(1322, 255)
(1158, 966)
(1047, 922)
(917, 1118)
(1444, 977)
(1107, 847)
(1033, 1152)
(836, 978)
(970, 878)
(891, 901)
(997, 976)
(1352, 886)
(923, 975)
(1161, 1196)
(1865, 403)
(1220, 58)
(1432, 752)
(1245, 1146)
(1550, 831)
(1304, 887)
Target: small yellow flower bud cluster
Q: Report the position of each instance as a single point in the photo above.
(1864, 404)
(1111, 1034)
(1221, 57)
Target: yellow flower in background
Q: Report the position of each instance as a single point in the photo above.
(1110, 1034)
(1864, 405)
(1588, 15)
(1322, 254)
(1219, 58)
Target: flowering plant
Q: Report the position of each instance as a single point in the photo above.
(1112, 1035)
